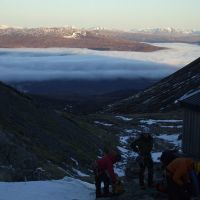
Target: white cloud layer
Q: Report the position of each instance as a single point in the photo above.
(177, 54)
(47, 64)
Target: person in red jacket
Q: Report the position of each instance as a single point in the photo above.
(104, 172)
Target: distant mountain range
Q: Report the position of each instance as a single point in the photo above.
(155, 35)
(162, 96)
(168, 30)
(11, 37)
(93, 38)
(143, 30)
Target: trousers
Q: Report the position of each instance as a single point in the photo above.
(102, 178)
(146, 163)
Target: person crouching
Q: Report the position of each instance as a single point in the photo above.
(104, 172)
(177, 173)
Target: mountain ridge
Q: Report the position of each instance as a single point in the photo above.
(162, 96)
(68, 38)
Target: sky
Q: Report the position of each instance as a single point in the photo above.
(117, 14)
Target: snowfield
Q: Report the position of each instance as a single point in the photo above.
(65, 189)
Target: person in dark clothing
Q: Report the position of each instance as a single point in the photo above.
(143, 146)
(104, 172)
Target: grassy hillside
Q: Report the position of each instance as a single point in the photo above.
(32, 136)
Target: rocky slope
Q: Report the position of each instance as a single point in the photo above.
(39, 143)
(67, 37)
(163, 95)
(165, 128)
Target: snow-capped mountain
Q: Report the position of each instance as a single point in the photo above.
(9, 27)
(93, 38)
(164, 95)
(4, 27)
(168, 30)
(68, 37)
(155, 35)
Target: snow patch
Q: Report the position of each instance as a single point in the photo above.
(75, 161)
(153, 121)
(124, 139)
(189, 94)
(76, 35)
(156, 156)
(79, 173)
(120, 170)
(172, 138)
(65, 189)
(103, 123)
(126, 153)
(122, 150)
(126, 119)
(179, 126)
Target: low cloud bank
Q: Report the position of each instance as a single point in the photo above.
(48, 64)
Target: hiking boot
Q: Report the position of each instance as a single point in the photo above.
(109, 194)
(142, 187)
(98, 195)
(151, 185)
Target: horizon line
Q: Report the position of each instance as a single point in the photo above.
(93, 27)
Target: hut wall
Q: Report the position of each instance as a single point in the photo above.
(191, 133)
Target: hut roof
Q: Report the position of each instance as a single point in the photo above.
(191, 100)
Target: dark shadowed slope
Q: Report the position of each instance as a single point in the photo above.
(32, 137)
(162, 96)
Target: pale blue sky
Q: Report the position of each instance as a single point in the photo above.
(121, 14)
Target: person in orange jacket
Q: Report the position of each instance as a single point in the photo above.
(178, 178)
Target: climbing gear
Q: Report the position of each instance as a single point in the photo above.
(118, 188)
(197, 166)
